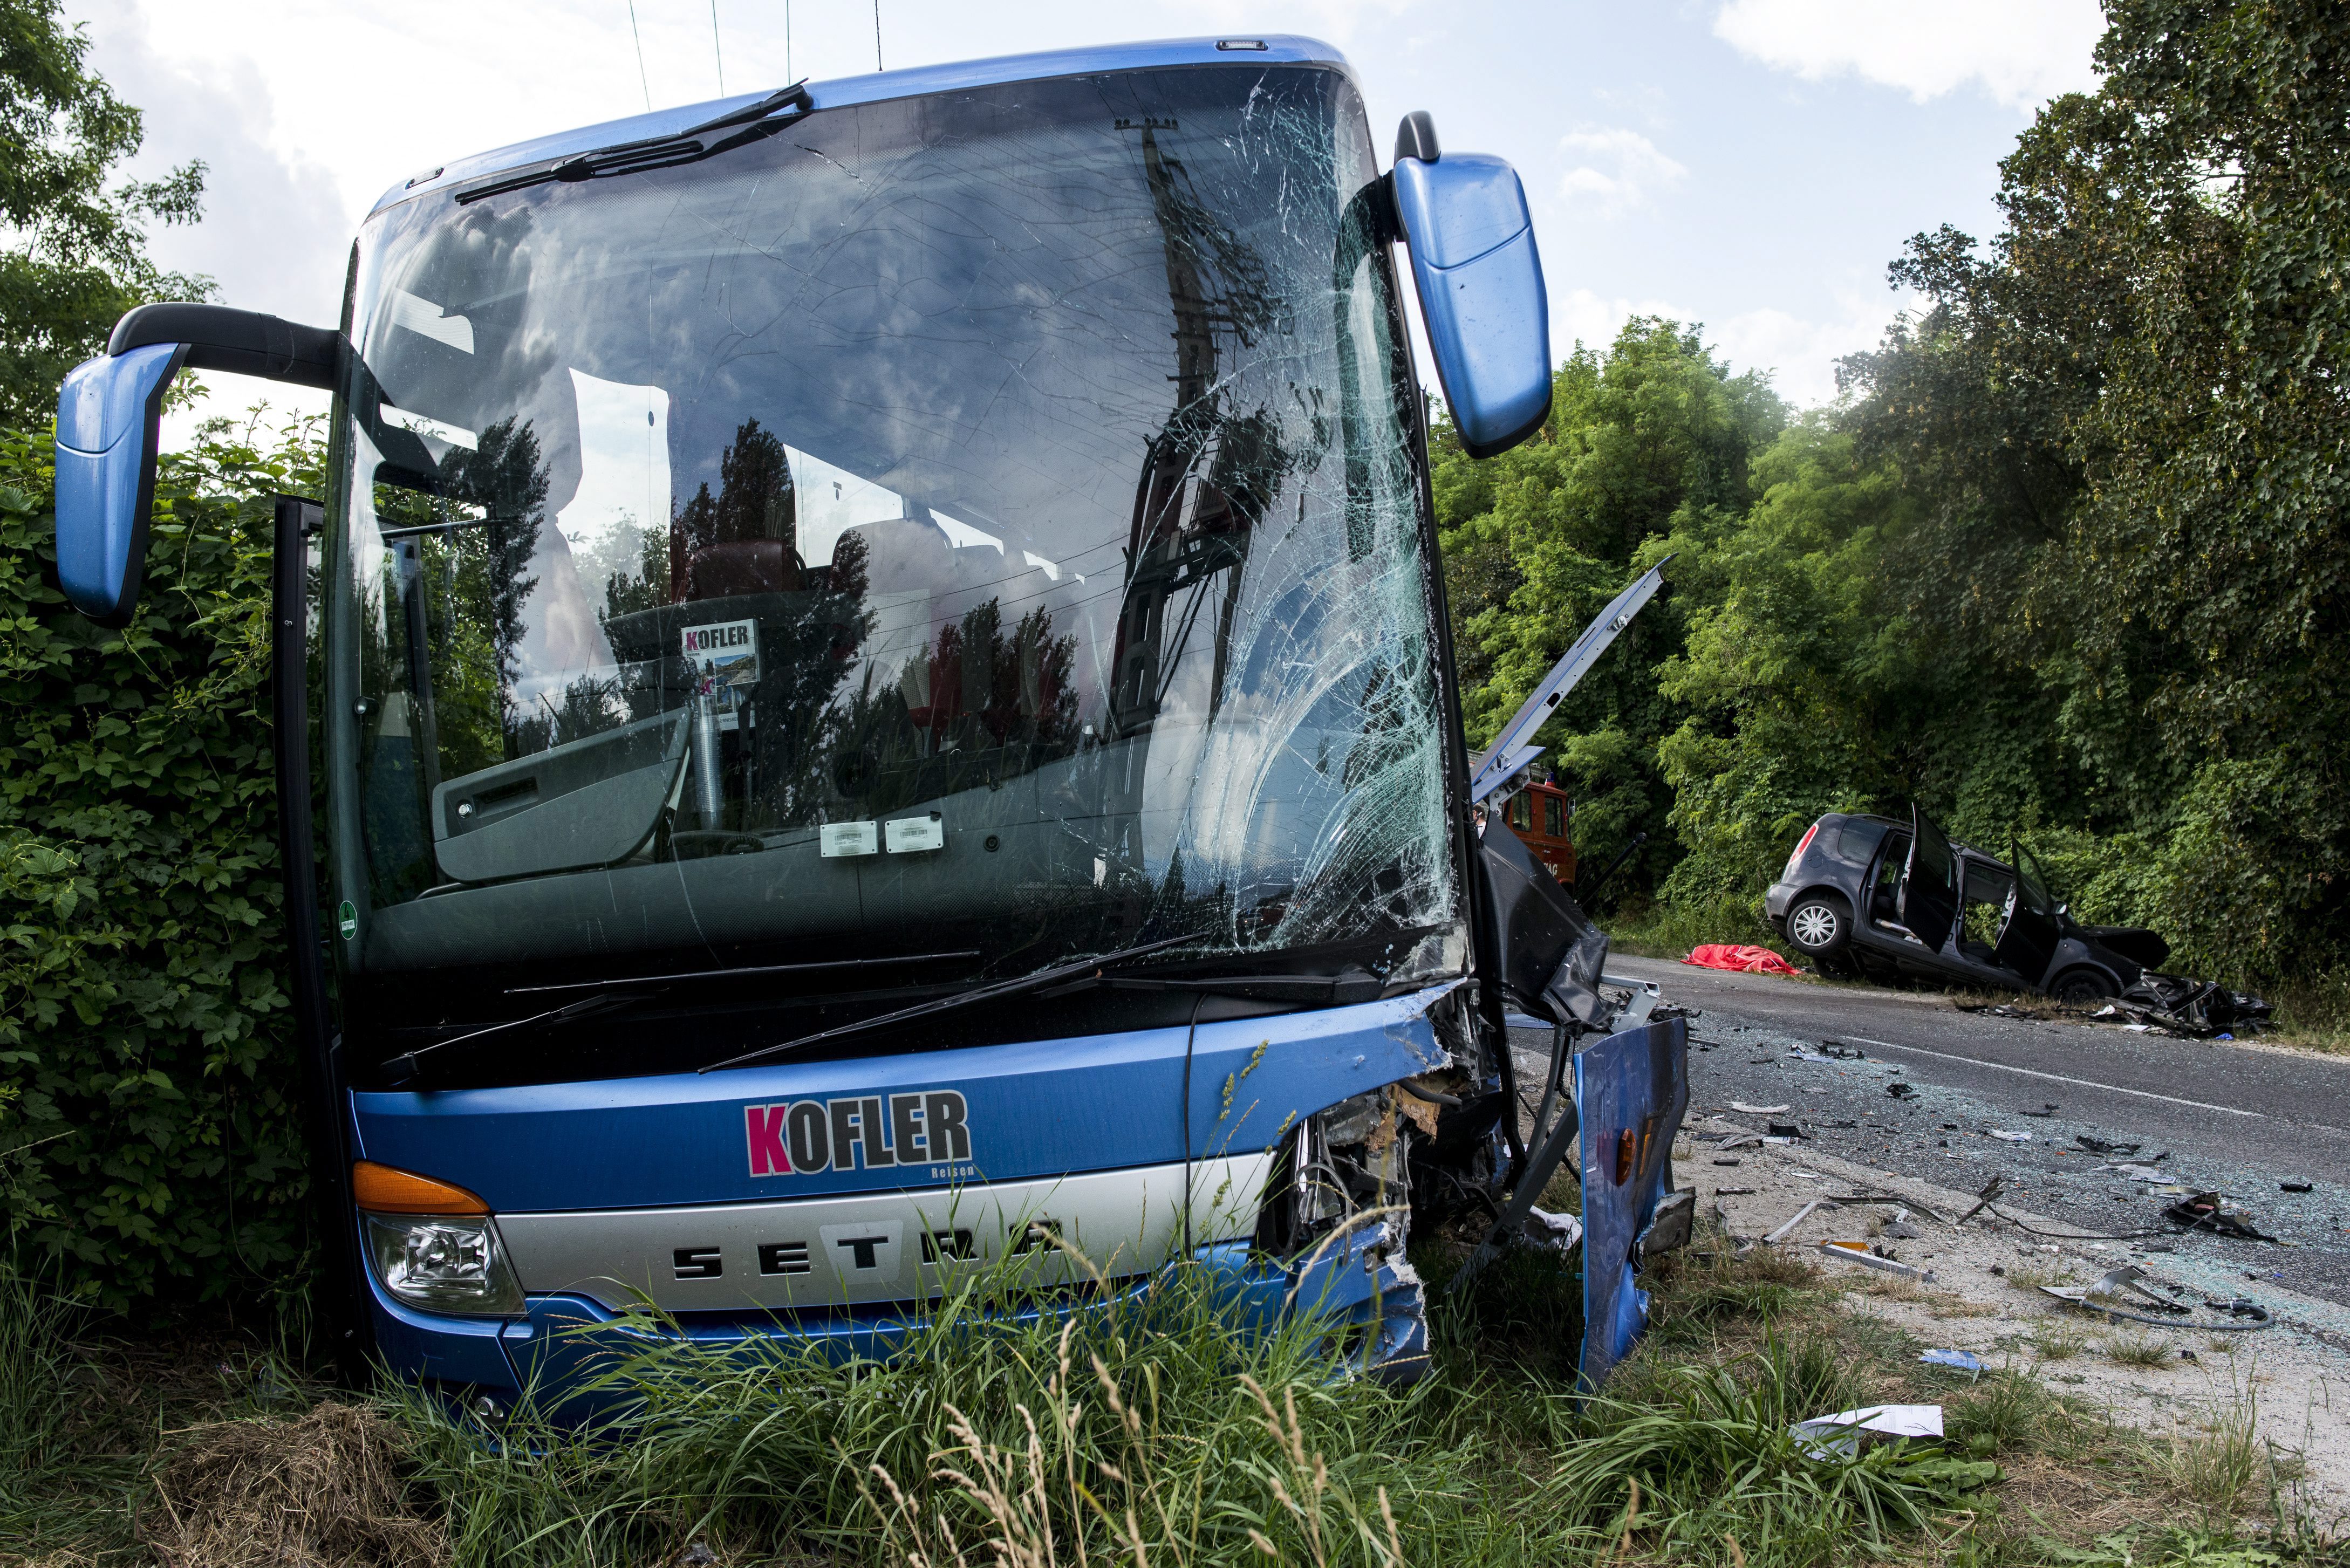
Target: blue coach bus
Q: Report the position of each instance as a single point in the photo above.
(887, 712)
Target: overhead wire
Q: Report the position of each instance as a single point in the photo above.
(715, 52)
(643, 80)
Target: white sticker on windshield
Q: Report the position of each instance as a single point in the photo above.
(910, 834)
(837, 838)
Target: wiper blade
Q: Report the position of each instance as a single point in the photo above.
(1235, 983)
(654, 151)
(1041, 980)
(743, 971)
(403, 1068)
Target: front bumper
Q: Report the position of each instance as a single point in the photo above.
(566, 1356)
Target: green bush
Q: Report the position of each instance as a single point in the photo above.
(149, 1142)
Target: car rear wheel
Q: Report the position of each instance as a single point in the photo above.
(1820, 924)
(2081, 987)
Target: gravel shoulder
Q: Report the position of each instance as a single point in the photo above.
(1984, 1298)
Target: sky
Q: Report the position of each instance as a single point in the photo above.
(1748, 165)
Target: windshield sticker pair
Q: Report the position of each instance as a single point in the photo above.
(803, 1137)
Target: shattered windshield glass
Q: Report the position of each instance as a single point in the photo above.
(980, 522)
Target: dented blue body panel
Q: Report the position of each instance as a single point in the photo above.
(1040, 1109)
(1631, 1090)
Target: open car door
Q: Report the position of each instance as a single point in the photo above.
(2028, 933)
(1929, 892)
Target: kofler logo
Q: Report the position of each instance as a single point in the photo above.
(803, 1137)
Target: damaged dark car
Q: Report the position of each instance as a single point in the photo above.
(1871, 898)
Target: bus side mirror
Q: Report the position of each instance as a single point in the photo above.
(1472, 241)
(110, 412)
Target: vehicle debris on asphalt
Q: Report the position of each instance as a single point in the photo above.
(2196, 1009)
(2211, 1212)
(1744, 1109)
(2105, 1146)
(1901, 1091)
(2103, 1295)
(1805, 1212)
(1858, 1253)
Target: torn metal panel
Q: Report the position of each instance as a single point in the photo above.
(1632, 1089)
(1512, 747)
(1550, 955)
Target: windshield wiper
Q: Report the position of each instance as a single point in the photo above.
(1233, 984)
(1040, 980)
(403, 1068)
(655, 152)
(744, 970)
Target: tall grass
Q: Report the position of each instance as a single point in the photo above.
(1706, 1455)
(1149, 1432)
(1147, 1429)
(1143, 1431)
(37, 1374)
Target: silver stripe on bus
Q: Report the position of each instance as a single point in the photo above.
(874, 1247)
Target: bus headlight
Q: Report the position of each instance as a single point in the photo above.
(443, 1262)
(432, 1244)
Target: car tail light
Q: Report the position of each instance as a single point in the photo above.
(1793, 860)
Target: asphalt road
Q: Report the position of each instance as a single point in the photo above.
(2240, 1118)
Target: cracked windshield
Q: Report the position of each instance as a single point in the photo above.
(983, 524)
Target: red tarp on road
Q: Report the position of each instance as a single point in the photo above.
(1744, 960)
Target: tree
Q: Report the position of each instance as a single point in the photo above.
(75, 257)
(1648, 441)
(2128, 421)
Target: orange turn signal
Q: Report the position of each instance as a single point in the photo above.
(383, 1190)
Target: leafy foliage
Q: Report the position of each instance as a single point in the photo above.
(75, 255)
(2070, 562)
(146, 1090)
(1648, 449)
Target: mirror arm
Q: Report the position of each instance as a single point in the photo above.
(245, 342)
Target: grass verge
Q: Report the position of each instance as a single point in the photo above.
(1147, 1433)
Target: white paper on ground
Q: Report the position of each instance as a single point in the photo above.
(1842, 1434)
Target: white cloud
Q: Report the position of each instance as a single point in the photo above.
(274, 234)
(1332, 21)
(1617, 170)
(1798, 354)
(2021, 52)
(1579, 316)
(1801, 354)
